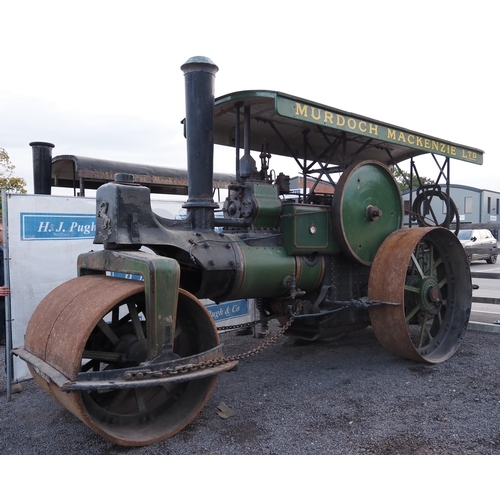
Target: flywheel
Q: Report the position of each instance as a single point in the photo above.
(423, 277)
(97, 323)
(427, 216)
(366, 208)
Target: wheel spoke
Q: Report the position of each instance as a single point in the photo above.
(92, 364)
(439, 316)
(102, 356)
(437, 263)
(119, 396)
(134, 316)
(170, 391)
(107, 330)
(141, 405)
(429, 268)
(424, 331)
(412, 313)
(417, 266)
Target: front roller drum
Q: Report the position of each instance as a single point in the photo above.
(96, 323)
(423, 279)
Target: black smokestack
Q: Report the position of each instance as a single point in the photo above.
(42, 166)
(199, 75)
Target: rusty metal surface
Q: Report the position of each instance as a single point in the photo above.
(387, 280)
(447, 285)
(148, 382)
(45, 315)
(46, 371)
(61, 325)
(142, 413)
(145, 376)
(78, 316)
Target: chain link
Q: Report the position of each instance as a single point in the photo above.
(191, 367)
(246, 325)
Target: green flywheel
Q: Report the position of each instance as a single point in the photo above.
(367, 207)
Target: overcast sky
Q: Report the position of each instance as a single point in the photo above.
(103, 79)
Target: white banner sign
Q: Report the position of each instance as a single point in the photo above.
(44, 236)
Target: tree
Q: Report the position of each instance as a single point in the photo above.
(403, 179)
(7, 179)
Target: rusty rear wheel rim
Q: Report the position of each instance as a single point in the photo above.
(78, 342)
(425, 271)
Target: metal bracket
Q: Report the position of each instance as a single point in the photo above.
(161, 277)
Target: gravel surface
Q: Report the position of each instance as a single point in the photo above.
(344, 397)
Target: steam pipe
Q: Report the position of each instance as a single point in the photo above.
(247, 163)
(199, 76)
(237, 141)
(42, 166)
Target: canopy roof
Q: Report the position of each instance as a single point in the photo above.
(334, 136)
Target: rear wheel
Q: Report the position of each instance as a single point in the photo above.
(492, 259)
(425, 276)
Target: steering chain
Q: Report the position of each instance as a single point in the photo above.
(192, 367)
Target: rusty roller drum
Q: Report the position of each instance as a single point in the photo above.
(424, 274)
(89, 323)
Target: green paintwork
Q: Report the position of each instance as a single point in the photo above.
(318, 114)
(268, 272)
(268, 205)
(161, 285)
(310, 273)
(307, 229)
(371, 184)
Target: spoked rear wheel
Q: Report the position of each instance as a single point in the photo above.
(96, 323)
(424, 274)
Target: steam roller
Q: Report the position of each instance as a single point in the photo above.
(129, 348)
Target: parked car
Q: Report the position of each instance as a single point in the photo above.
(479, 244)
